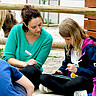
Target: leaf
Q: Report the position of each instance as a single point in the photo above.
(1, 53)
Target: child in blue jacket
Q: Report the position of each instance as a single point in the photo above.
(79, 63)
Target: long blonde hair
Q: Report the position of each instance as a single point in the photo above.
(70, 28)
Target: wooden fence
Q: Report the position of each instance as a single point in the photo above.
(48, 8)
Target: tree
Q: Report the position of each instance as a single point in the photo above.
(44, 1)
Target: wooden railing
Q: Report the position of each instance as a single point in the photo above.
(55, 44)
(47, 8)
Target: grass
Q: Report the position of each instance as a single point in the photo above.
(1, 53)
(53, 56)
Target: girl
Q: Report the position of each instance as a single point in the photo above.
(79, 63)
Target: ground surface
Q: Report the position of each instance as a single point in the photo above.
(54, 61)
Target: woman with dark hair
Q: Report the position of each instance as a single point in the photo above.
(28, 45)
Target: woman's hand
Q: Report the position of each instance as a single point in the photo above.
(57, 72)
(32, 62)
(71, 68)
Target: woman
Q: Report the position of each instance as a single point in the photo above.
(79, 63)
(9, 74)
(28, 45)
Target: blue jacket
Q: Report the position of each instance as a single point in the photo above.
(87, 62)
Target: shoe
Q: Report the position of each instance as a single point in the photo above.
(81, 93)
(44, 89)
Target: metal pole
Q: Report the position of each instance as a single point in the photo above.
(39, 1)
(58, 13)
(48, 14)
(26, 1)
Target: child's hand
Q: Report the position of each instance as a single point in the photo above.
(57, 72)
(71, 68)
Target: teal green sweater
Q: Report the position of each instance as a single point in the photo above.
(17, 44)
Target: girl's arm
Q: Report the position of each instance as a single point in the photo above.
(87, 66)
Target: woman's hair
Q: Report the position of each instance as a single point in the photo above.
(70, 28)
(27, 14)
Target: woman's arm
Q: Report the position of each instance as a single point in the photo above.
(20, 64)
(17, 63)
(26, 83)
(12, 48)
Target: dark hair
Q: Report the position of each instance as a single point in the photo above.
(28, 13)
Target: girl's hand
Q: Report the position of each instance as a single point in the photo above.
(71, 68)
(32, 62)
(57, 72)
